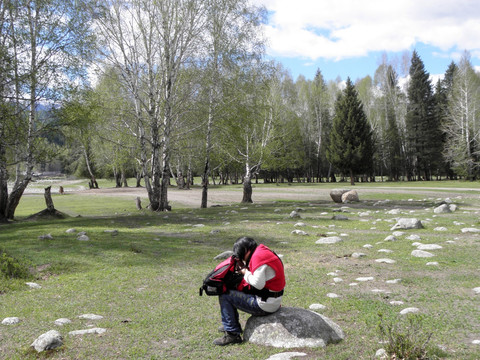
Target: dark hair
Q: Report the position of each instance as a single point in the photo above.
(242, 245)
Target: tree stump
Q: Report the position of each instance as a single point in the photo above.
(139, 203)
(50, 211)
(61, 191)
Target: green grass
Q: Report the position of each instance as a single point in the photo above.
(145, 280)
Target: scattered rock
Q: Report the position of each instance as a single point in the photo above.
(476, 290)
(88, 331)
(317, 307)
(381, 353)
(476, 342)
(350, 196)
(62, 321)
(429, 247)
(292, 328)
(358, 255)
(46, 237)
(410, 310)
(398, 233)
(386, 261)
(299, 232)
(10, 321)
(442, 209)
(71, 231)
(421, 254)
(333, 296)
(294, 215)
(48, 341)
(368, 246)
(407, 223)
(413, 237)
(394, 281)
(336, 194)
(394, 302)
(470, 230)
(393, 212)
(113, 232)
(390, 238)
(329, 240)
(83, 238)
(453, 207)
(33, 285)
(385, 251)
(224, 255)
(364, 279)
(339, 217)
(286, 356)
(90, 317)
(440, 228)
(215, 231)
(432, 263)
(300, 224)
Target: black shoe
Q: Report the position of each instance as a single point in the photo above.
(228, 338)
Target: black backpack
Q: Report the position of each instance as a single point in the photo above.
(221, 279)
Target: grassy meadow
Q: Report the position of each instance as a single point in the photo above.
(145, 280)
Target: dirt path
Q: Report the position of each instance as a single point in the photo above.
(226, 196)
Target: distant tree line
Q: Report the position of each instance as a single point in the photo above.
(182, 90)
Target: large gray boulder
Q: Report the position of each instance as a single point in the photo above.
(48, 341)
(350, 196)
(292, 328)
(336, 194)
(407, 223)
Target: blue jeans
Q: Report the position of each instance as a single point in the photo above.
(231, 302)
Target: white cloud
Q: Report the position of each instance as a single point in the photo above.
(339, 29)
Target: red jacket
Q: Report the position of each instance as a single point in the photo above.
(261, 256)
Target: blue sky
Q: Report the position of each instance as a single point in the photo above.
(349, 38)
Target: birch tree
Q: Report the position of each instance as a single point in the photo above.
(49, 44)
(149, 43)
(462, 126)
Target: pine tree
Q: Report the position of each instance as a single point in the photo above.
(351, 140)
(423, 128)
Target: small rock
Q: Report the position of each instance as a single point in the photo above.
(413, 237)
(476, 342)
(386, 261)
(410, 310)
(48, 341)
(333, 295)
(200, 225)
(83, 238)
(390, 238)
(62, 321)
(88, 331)
(300, 224)
(46, 237)
(294, 215)
(82, 233)
(340, 217)
(90, 317)
(350, 196)
(337, 280)
(393, 212)
(440, 228)
(453, 207)
(407, 223)
(476, 290)
(224, 255)
(299, 232)
(385, 251)
(394, 281)
(10, 321)
(214, 232)
(113, 232)
(358, 255)
(368, 246)
(381, 353)
(398, 233)
(421, 254)
(329, 240)
(336, 194)
(33, 285)
(432, 263)
(317, 307)
(442, 209)
(286, 355)
(394, 302)
(71, 231)
(277, 210)
(470, 230)
(364, 279)
(429, 247)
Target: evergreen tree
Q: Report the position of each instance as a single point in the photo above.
(423, 128)
(351, 141)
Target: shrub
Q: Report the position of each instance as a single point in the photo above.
(405, 339)
(11, 267)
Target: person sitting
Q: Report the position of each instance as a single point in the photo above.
(259, 293)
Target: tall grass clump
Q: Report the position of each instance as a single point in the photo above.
(404, 338)
(12, 268)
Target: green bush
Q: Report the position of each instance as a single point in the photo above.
(12, 268)
(405, 339)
